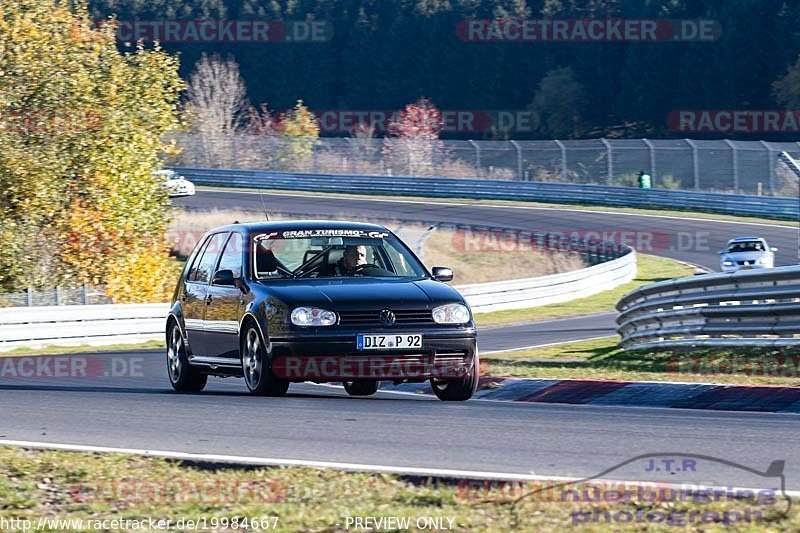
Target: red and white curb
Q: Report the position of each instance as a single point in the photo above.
(770, 399)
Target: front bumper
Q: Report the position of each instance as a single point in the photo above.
(334, 357)
(736, 268)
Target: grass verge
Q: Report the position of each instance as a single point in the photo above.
(68, 485)
(650, 269)
(675, 213)
(84, 348)
(602, 359)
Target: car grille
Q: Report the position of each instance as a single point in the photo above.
(745, 263)
(373, 318)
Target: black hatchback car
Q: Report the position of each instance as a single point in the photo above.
(320, 301)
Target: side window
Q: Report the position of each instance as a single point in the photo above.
(232, 255)
(209, 259)
(192, 273)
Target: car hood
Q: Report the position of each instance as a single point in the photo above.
(360, 292)
(744, 256)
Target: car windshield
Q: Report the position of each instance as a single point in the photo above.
(362, 255)
(747, 246)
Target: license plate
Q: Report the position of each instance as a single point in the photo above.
(389, 342)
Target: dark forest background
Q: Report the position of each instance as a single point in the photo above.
(387, 53)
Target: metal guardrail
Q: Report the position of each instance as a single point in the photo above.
(758, 308)
(556, 288)
(564, 193)
(94, 325)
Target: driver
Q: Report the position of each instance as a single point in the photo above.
(353, 257)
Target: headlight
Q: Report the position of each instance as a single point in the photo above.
(451, 314)
(762, 261)
(727, 263)
(311, 316)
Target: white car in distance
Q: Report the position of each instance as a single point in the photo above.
(743, 253)
(176, 184)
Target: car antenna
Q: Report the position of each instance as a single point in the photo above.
(264, 206)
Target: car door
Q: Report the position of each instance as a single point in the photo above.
(196, 293)
(224, 304)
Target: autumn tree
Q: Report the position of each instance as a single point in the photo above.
(299, 130)
(81, 130)
(412, 144)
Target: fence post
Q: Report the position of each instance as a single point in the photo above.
(58, 294)
(695, 164)
(771, 163)
(609, 154)
(477, 158)
(520, 176)
(652, 150)
(735, 166)
(85, 295)
(29, 294)
(563, 159)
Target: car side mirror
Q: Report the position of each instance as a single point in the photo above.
(442, 273)
(224, 278)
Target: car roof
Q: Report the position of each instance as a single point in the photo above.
(288, 225)
(745, 239)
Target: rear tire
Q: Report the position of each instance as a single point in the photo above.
(182, 375)
(256, 366)
(458, 390)
(361, 388)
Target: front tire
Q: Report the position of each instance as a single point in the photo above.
(182, 375)
(458, 390)
(361, 388)
(256, 366)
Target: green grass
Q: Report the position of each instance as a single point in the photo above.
(63, 485)
(603, 359)
(85, 348)
(536, 205)
(650, 269)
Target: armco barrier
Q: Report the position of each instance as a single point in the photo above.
(741, 309)
(69, 325)
(556, 288)
(570, 193)
(98, 325)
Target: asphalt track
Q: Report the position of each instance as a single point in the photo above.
(314, 423)
(317, 423)
(696, 241)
